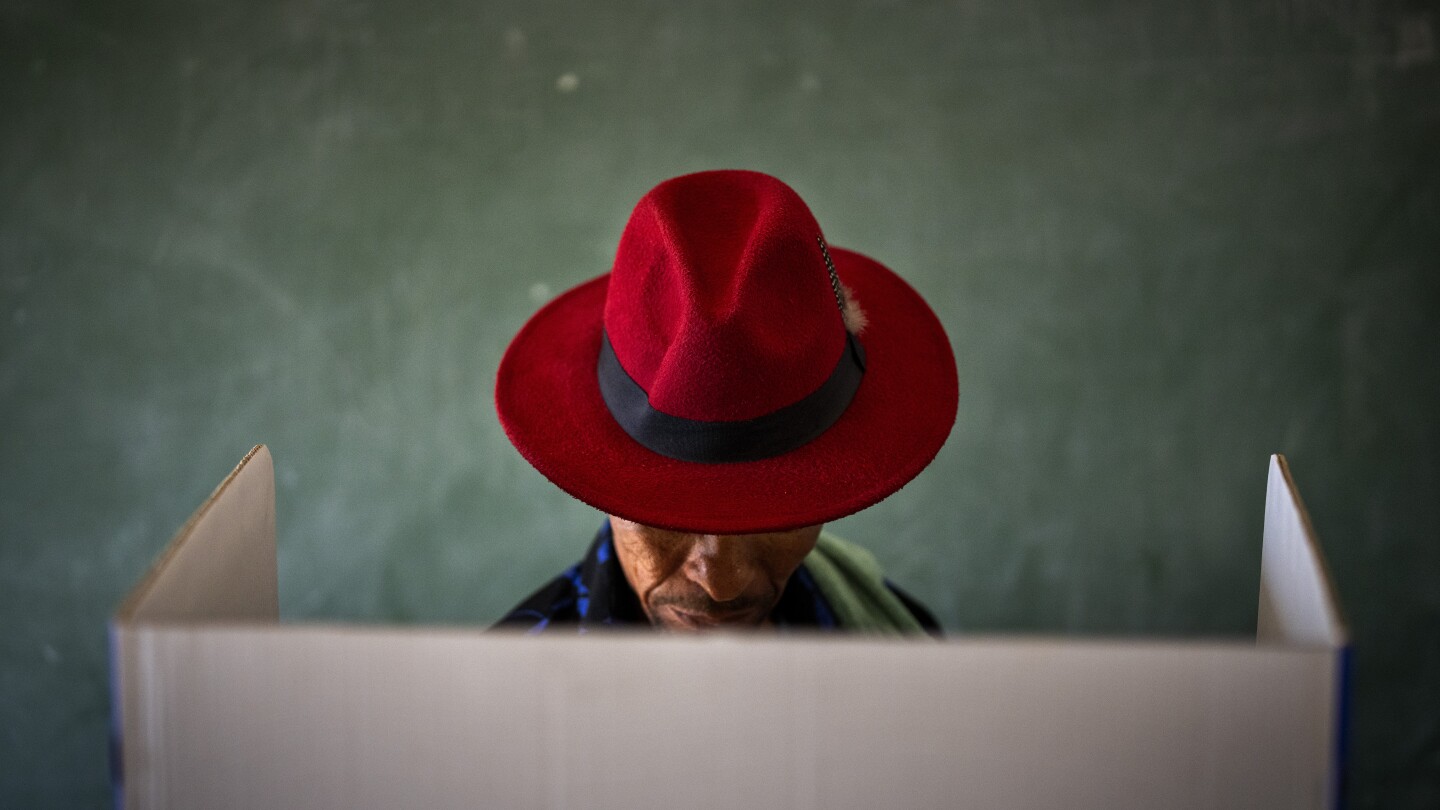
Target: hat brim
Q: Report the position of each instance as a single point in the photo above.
(550, 407)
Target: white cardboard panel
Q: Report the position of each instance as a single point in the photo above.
(325, 717)
(222, 713)
(1297, 600)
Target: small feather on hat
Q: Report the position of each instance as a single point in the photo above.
(855, 318)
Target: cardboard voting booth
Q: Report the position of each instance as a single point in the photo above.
(219, 705)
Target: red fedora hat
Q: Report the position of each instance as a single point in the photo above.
(732, 374)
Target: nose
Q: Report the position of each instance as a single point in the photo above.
(720, 566)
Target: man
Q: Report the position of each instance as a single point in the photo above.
(731, 385)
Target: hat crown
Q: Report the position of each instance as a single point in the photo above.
(720, 305)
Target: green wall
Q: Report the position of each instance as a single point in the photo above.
(1166, 240)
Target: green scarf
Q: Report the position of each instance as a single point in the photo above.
(850, 579)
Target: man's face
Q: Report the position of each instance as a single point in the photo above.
(701, 581)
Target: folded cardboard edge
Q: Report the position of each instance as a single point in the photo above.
(221, 564)
(128, 706)
(199, 539)
(1297, 603)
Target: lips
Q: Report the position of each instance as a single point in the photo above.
(706, 619)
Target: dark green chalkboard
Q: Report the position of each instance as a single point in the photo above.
(1166, 240)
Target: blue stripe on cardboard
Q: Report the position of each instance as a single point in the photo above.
(1341, 778)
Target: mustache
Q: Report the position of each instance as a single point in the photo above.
(699, 602)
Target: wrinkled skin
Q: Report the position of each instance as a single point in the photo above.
(692, 582)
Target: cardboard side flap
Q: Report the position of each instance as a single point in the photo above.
(221, 565)
(1297, 599)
